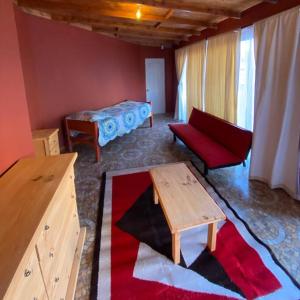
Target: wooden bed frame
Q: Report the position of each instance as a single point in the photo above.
(89, 133)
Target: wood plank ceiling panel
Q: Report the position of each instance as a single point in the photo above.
(162, 22)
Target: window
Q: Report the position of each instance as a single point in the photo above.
(246, 82)
(182, 114)
(245, 109)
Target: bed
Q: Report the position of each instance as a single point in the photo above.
(99, 127)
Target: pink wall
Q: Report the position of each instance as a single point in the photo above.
(15, 135)
(68, 69)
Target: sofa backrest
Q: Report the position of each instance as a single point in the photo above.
(234, 138)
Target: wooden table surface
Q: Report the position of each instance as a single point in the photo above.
(185, 202)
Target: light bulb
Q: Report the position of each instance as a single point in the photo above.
(138, 13)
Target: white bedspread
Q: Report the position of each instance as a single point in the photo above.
(116, 120)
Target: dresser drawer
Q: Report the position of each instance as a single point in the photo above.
(28, 282)
(54, 145)
(54, 151)
(53, 236)
(55, 220)
(57, 243)
(65, 261)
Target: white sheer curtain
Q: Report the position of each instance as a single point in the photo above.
(180, 61)
(275, 151)
(245, 106)
(196, 56)
(221, 75)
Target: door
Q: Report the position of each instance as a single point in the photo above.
(155, 84)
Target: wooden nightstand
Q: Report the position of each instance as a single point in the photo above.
(46, 142)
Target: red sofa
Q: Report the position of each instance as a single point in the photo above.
(216, 142)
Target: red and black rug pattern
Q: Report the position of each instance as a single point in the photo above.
(133, 257)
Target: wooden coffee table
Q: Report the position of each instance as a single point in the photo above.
(185, 204)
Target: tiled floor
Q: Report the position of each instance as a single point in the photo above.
(272, 215)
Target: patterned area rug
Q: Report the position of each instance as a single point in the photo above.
(133, 251)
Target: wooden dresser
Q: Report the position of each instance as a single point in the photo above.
(46, 142)
(40, 238)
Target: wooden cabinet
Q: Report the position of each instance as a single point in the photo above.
(28, 282)
(46, 142)
(40, 237)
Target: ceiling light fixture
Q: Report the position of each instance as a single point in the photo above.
(138, 13)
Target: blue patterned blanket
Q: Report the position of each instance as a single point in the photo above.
(116, 120)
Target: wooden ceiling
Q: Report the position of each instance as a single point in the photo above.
(162, 22)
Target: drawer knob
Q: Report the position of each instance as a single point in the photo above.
(47, 227)
(56, 279)
(51, 254)
(27, 273)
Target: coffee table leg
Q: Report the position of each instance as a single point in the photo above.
(176, 247)
(155, 195)
(212, 236)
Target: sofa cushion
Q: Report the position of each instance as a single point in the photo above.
(234, 138)
(214, 154)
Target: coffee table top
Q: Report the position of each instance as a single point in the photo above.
(185, 202)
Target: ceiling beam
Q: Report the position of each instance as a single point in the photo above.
(151, 43)
(270, 1)
(167, 16)
(190, 7)
(119, 32)
(192, 22)
(155, 18)
(138, 39)
(113, 23)
(95, 11)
